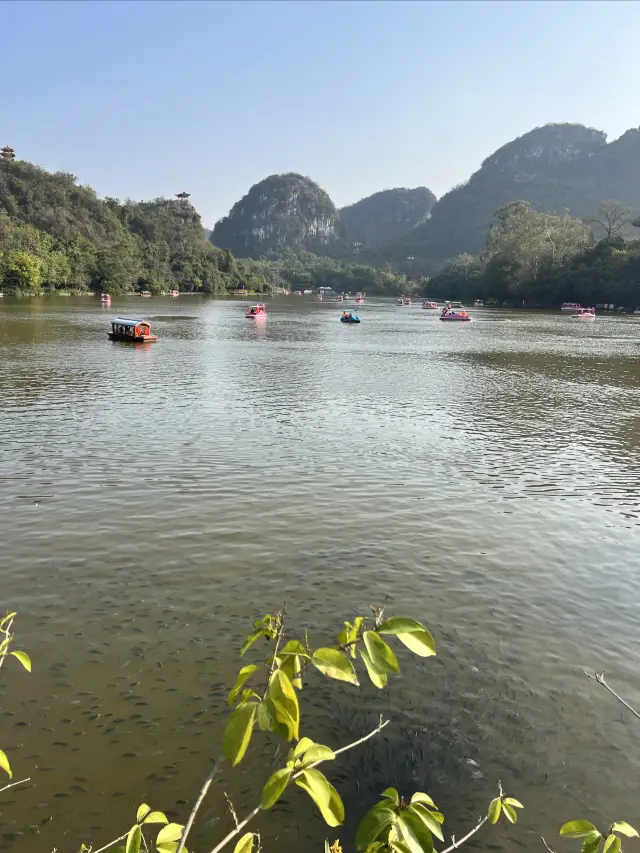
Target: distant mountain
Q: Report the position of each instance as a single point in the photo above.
(207, 233)
(387, 215)
(555, 167)
(281, 212)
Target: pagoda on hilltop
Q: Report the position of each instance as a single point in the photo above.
(7, 154)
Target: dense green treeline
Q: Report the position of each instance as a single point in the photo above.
(543, 259)
(57, 235)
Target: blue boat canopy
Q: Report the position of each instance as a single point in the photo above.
(120, 321)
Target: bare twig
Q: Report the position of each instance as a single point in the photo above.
(382, 723)
(111, 843)
(466, 837)
(237, 830)
(599, 677)
(196, 806)
(547, 846)
(13, 784)
(240, 826)
(234, 814)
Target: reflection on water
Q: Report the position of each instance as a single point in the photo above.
(154, 500)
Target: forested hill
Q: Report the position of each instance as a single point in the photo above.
(280, 213)
(386, 215)
(56, 233)
(556, 167)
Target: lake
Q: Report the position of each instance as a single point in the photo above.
(483, 479)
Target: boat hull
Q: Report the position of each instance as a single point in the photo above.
(140, 339)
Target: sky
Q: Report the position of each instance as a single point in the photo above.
(146, 99)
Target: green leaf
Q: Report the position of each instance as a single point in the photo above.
(399, 847)
(302, 746)
(294, 647)
(133, 840)
(419, 797)
(428, 819)
(292, 667)
(509, 812)
(334, 664)
(170, 832)
(411, 633)
(612, 844)
(250, 640)
(577, 829)
(378, 679)
(285, 703)
(495, 807)
(414, 833)
(143, 811)
(237, 732)
(243, 676)
(625, 828)
(591, 842)
(156, 817)
(391, 794)
(274, 787)
(169, 847)
(324, 795)
(373, 824)
(318, 752)
(4, 764)
(511, 802)
(381, 654)
(24, 659)
(264, 718)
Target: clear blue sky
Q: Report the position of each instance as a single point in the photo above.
(143, 99)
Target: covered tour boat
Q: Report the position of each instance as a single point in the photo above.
(174, 293)
(427, 305)
(259, 310)
(637, 311)
(570, 306)
(105, 299)
(478, 303)
(131, 331)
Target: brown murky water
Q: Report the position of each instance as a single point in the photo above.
(154, 501)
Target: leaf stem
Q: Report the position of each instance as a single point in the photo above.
(599, 677)
(466, 837)
(544, 842)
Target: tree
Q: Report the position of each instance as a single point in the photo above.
(612, 218)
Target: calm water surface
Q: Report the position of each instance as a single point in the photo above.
(153, 501)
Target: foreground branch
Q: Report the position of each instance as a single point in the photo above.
(240, 826)
(111, 843)
(197, 804)
(466, 837)
(599, 677)
(544, 842)
(13, 784)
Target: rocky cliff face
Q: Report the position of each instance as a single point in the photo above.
(281, 212)
(556, 167)
(387, 215)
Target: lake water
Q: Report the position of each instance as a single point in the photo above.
(154, 501)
